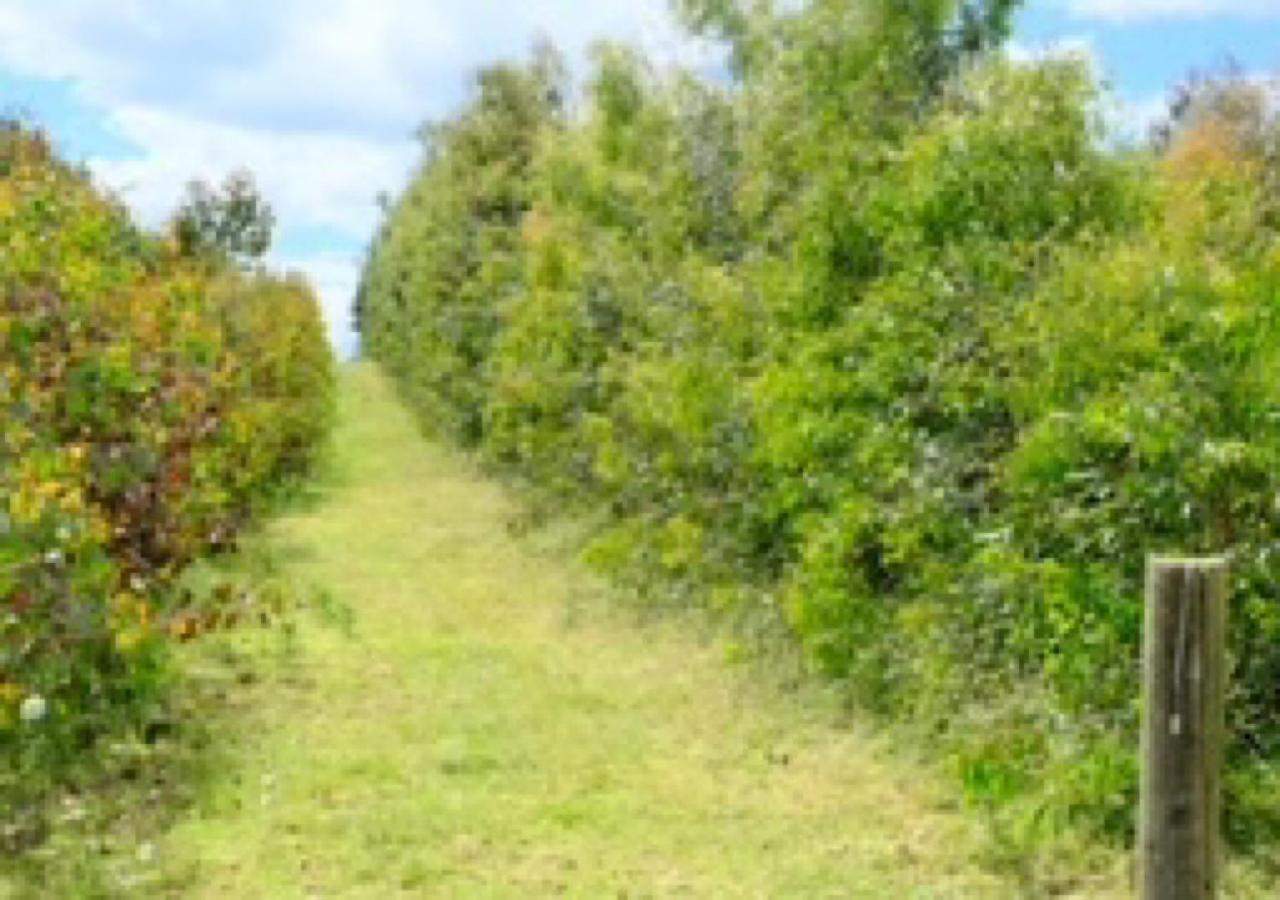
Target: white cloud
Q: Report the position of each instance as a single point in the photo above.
(1133, 10)
(319, 98)
(310, 65)
(1130, 120)
(354, 66)
(324, 180)
(1073, 46)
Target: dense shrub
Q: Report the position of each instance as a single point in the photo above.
(146, 412)
(447, 258)
(888, 343)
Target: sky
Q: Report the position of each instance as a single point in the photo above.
(321, 99)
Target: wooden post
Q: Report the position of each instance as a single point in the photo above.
(1184, 685)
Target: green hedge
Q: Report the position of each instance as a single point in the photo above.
(909, 361)
(147, 410)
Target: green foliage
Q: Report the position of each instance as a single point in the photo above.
(434, 286)
(883, 345)
(145, 414)
(938, 35)
(229, 224)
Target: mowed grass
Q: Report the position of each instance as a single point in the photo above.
(490, 729)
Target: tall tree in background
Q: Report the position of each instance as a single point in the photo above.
(942, 33)
(1226, 118)
(230, 224)
(430, 302)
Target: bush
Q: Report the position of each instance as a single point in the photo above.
(887, 344)
(146, 413)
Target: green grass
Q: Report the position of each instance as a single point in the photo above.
(490, 729)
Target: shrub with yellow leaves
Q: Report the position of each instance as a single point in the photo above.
(148, 408)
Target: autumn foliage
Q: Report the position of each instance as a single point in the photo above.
(147, 409)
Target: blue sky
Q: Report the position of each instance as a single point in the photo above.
(320, 98)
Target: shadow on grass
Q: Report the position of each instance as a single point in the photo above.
(304, 493)
(89, 828)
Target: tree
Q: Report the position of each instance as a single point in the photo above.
(1230, 120)
(941, 34)
(231, 224)
(449, 250)
(1243, 107)
(725, 20)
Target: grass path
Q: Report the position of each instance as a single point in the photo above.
(474, 739)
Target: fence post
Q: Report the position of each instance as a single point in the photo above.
(1184, 685)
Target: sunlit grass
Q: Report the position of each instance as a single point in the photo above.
(470, 741)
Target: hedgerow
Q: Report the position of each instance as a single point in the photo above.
(148, 409)
(886, 341)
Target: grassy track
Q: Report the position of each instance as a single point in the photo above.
(478, 738)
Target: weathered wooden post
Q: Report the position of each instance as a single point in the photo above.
(1184, 684)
